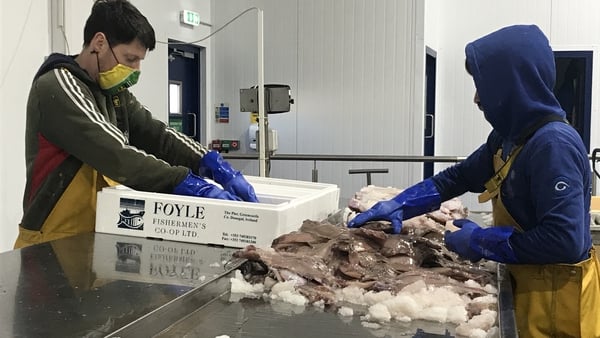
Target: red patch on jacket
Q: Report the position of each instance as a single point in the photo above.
(47, 159)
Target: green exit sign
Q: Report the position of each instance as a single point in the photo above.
(190, 18)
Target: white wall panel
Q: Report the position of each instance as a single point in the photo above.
(24, 40)
(236, 63)
(17, 59)
(357, 86)
(75, 14)
(355, 77)
(7, 233)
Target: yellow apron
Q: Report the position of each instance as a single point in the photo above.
(558, 300)
(75, 211)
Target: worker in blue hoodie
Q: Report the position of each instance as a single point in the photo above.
(535, 171)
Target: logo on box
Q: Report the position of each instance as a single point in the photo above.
(131, 214)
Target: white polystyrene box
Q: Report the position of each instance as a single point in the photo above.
(284, 205)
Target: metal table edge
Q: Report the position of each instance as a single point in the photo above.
(506, 310)
(179, 308)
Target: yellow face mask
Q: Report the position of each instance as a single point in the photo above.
(118, 78)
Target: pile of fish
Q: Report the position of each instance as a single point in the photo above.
(324, 256)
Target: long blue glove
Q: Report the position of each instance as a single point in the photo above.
(194, 185)
(474, 243)
(421, 198)
(213, 165)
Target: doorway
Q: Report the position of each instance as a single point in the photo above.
(429, 138)
(186, 95)
(573, 89)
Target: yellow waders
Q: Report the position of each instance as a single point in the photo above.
(558, 300)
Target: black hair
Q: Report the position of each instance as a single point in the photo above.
(121, 22)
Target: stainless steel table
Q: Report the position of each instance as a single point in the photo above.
(101, 285)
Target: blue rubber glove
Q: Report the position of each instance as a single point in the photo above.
(194, 185)
(459, 241)
(474, 243)
(416, 200)
(213, 165)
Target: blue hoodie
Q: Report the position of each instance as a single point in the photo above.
(548, 188)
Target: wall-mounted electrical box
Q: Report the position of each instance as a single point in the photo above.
(277, 99)
(272, 140)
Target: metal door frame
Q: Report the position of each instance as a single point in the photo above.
(200, 121)
(429, 111)
(587, 54)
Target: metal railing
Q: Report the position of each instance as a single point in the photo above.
(347, 158)
(364, 158)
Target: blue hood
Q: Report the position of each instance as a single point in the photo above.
(514, 73)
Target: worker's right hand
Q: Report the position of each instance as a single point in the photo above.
(194, 185)
(474, 243)
(213, 165)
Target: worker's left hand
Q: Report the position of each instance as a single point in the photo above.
(459, 241)
(230, 179)
(390, 210)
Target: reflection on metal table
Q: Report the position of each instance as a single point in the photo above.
(91, 285)
(102, 285)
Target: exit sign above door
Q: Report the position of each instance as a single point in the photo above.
(189, 18)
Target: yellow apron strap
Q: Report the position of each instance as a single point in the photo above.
(492, 187)
(109, 181)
